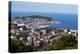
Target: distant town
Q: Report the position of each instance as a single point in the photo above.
(35, 31)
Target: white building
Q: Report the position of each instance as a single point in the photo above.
(65, 30)
(21, 29)
(69, 32)
(43, 31)
(20, 24)
(74, 32)
(53, 32)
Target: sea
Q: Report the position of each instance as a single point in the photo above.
(69, 21)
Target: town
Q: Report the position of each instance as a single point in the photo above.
(37, 33)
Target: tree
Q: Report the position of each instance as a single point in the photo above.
(65, 42)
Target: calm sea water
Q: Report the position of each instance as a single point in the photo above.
(69, 21)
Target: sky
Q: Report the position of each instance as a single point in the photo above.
(19, 6)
